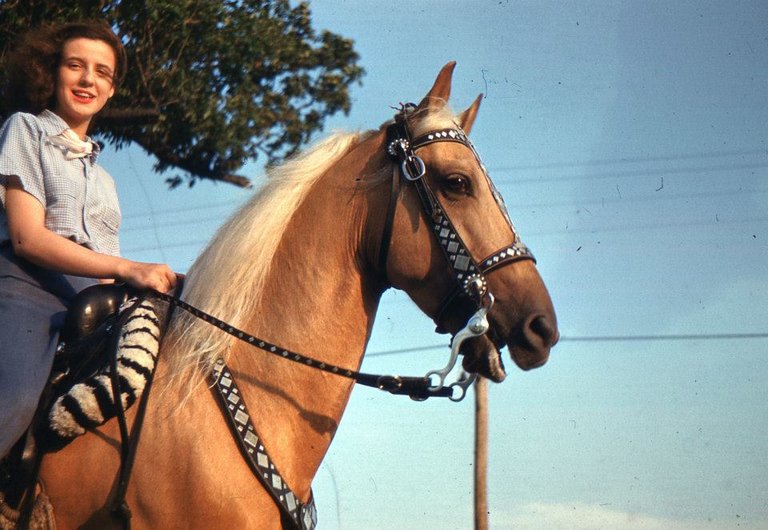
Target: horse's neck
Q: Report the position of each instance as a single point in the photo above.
(320, 301)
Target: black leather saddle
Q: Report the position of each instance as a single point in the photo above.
(87, 327)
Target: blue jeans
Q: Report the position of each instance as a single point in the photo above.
(33, 304)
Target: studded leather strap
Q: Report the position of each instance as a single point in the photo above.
(304, 516)
(468, 272)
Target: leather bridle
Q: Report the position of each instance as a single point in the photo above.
(468, 272)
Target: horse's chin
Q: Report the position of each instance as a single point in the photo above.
(482, 357)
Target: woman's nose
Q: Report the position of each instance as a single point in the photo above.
(87, 76)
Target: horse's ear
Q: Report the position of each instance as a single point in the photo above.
(438, 95)
(467, 118)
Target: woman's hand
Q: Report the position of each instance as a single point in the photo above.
(157, 276)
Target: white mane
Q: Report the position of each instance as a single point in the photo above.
(227, 279)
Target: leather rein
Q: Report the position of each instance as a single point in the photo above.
(418, 388)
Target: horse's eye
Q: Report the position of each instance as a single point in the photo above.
(459, 184)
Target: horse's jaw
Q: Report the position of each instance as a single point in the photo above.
(482, 355)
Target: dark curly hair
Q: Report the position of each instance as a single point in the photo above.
(31, 69)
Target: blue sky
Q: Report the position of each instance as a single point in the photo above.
(630, 142)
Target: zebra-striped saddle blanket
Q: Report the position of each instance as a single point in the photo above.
(82, 394)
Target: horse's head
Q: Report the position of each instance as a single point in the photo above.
(452, 247)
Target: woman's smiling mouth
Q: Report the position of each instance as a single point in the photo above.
(83, 97)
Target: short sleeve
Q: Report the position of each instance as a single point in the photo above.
(20, 154)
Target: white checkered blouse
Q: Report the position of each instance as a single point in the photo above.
(79, 196)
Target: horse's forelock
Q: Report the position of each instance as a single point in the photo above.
(423, 121)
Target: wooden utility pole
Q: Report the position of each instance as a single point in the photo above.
(481, 453)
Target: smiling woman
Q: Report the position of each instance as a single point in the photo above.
(85, 81)
(60, 215)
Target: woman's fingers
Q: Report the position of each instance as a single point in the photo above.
(157, 276)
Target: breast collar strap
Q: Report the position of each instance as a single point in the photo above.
(302, 515)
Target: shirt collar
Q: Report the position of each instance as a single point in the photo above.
(54, 124)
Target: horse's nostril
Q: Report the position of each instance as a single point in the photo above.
(544, 330)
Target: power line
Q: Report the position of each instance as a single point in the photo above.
(186, 222)
(617, 174)
(230, 203)
(601, 338)
(529, 233)
(597, 230)
(602, 201)
(642, 198)
(695, 170)
(649, 338)
(154, 225)
(635, 160)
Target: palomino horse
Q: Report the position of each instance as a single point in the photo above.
(304, 265)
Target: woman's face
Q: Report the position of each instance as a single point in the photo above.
(84, 82)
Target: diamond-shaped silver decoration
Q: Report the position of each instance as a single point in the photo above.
(309, 516)
(251, 439)
(241, 417)
(462, 263)
(291, 501)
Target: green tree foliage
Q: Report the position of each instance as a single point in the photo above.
(222, 81)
